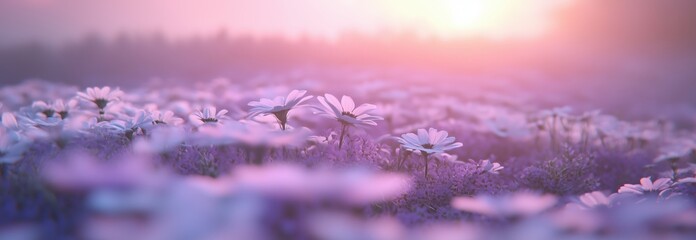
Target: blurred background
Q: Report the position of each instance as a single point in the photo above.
(617, 55)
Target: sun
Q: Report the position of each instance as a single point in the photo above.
(467, 14)
(487, 18)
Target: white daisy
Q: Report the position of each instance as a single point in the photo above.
(129, 127)
(56, 109)
(207, 116)
(63, 109)
(43, 109)
(346, 113)
(596, 199)
(507, 126)
(279, 106)
(9, 121)
(487, 166)
(445, 157)
(100, 97)
(515, 205)
(428, 142)
(165, 117)
(647, 186)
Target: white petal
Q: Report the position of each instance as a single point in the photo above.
(347, 103)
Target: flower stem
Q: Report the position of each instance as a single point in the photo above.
(282, 117)
(101, 117)
(553, 134)
(343, 134)
(425, 158)
(259, 153)
(675, 170)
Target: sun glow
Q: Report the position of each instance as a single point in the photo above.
(26, 19)
(489, 18)
(467, 14)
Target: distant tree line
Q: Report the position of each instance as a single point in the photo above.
(592, 35)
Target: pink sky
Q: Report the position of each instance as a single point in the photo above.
(60, 20)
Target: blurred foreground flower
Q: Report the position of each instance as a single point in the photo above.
(512, 206)
(244, 204)
(253, 137)
(80, 172)
(596, 199)
(335, 226)
(352, 187)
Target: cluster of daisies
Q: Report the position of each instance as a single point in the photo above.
(57, 120)
(415, 157)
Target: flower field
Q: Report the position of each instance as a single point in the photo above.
(324, 157)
